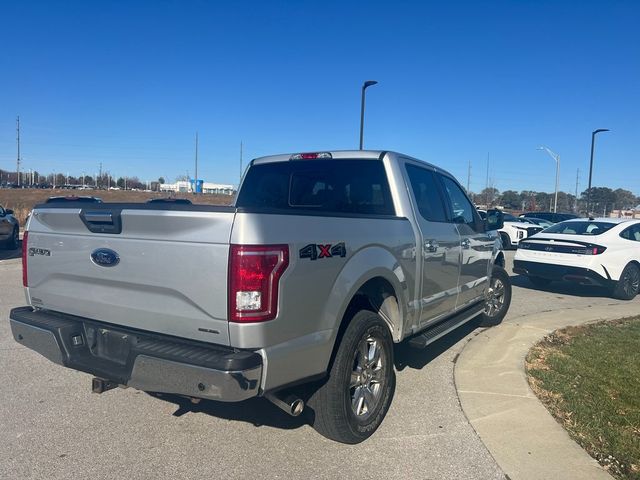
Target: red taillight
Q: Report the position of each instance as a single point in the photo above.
(254, 275)
(595, 250)
(25, 278)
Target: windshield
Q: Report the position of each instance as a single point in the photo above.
(580, 228)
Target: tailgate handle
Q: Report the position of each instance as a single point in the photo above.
(108, 221)
(99, 217)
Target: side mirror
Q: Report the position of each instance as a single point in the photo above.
(8, 211)
(495, 220)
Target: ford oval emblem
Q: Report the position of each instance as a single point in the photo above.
(105, 257)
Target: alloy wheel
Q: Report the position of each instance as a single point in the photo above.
(495, 298)
(367, 377)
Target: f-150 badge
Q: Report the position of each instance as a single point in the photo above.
(315, 251)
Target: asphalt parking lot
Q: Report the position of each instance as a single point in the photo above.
(52, 426)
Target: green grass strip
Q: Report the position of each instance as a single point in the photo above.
(589, 379)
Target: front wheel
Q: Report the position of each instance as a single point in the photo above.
(506, 241)
(12, 243)
(498, 298)
(352, 403)
(629, 284)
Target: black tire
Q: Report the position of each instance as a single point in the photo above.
(12, 242)
(540, 282)
(498, 298)
(629, 284)
(340, 405)
(506, 241)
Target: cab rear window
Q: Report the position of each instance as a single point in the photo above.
(580, 228)
(327, 186)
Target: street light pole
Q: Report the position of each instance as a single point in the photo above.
(556, 157)
(366, 84)
(593, 139)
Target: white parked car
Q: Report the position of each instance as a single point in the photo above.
(602, 251)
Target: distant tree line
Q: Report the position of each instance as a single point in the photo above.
(104, 181)
(603, 200)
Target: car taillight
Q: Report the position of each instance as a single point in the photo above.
(254, 275)
(595, 250)
(25, 278)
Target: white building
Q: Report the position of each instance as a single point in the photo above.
(207, 187)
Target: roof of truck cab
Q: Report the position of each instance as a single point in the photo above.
(342, 155)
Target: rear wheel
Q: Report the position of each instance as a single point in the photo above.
(540, 282)
(506, 241)
(498, 298)
(352, 403)
(629, 284)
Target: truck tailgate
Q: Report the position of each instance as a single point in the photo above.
(171, 276)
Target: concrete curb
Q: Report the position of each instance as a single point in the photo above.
(525, 440)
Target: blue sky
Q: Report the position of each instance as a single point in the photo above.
(129, 83)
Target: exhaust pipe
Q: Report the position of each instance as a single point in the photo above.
(290, 403)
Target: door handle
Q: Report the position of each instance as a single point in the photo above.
(466, 244)
(431, 246)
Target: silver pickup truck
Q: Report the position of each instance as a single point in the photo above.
(297, 292)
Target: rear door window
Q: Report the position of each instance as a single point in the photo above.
(426, 193)
(632, 233)
(328, 186)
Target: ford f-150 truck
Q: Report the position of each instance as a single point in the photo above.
(297, 292)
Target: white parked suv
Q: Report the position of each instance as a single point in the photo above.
(514, 230)
(603, 251)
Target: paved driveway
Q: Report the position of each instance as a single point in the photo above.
(52, 427)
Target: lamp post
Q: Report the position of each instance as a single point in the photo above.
(556, 157)
(593, 139)
(366, 84)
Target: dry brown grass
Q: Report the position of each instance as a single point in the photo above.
(22, 201)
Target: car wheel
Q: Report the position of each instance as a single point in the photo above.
(540, 282)
(506, 241)
(629, 284)
(12, 242)
(354, 400)
(498, 298)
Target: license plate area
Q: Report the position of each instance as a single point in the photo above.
(109, 344)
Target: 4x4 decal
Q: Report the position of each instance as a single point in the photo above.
(315, 251)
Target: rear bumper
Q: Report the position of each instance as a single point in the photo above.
(146, 361)
(582, 275)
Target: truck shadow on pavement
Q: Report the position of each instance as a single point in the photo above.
(256, 411)
(562, 288)
(417, 358)
(260, 412)
(11, 254)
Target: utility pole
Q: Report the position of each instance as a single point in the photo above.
(195, 182)
(469, 177)
(486, 194)
(240, 165)
(575, 206)
(18, 141)
(100, 175)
